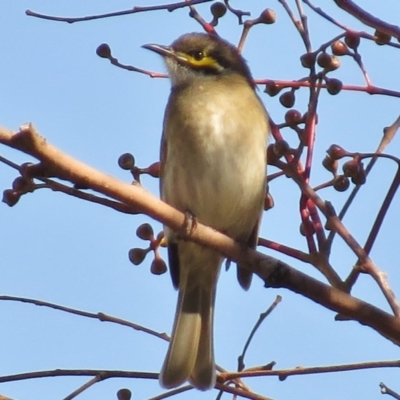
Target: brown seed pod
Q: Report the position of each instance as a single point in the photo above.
(287, 99)
(124, 394)
(334, 63)
(268, 16)
(136, 255)
(334, 86)
(341, 183)
(360, 177)
(351, 168)
(126, 161)
(293, 117)
(339, 48)
(268, 202)
(382, 38)
(28, 170)
(337, 152)
(218, 9)
(272, 88)
(145, 232)
(280, 148)
(310, 226)
(331, 164)
(158, 266)
(324, 60)
(21, 184)
(11, 197)
(103, 51)
(352, 39)
(308, 60)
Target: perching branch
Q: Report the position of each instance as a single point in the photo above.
(273, 272)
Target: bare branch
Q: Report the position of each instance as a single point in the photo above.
(99, 316)
(274, 272)
(103, 374)
(169, 7)
(284, 373)
(367, 18)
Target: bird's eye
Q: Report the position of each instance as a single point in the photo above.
(198, 55)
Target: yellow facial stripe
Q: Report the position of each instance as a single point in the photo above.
(205, 62)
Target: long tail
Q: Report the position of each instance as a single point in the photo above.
(190, 354)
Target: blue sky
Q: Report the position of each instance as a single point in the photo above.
(63, 250)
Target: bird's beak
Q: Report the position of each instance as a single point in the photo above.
(164, 51)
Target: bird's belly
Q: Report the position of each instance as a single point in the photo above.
(222, 183)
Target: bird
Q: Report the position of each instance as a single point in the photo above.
(212, 168)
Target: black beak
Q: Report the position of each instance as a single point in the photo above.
(164, 51)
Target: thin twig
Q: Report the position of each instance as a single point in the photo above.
(82, 388)
(171, 393)
(284, 373)
(368, 19)
(169, 7)
(99, 316)
(105, 374)
(260, 320)
(386, 390)
(240, 392)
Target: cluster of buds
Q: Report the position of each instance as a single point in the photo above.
(137, 255)
(21, 185)
(328, 63)
(353, 169)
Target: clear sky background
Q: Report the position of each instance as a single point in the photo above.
(66, 251)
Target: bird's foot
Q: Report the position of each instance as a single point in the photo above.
(189, 224)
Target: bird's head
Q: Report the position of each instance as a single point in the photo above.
(200, 55)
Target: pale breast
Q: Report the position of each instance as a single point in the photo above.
(215, 161)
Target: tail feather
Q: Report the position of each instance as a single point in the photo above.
(190, 354)
(182, 351)
(203, 373)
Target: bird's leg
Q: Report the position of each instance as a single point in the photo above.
(189, 224)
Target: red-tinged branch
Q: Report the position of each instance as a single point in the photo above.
(289, 251)
(354, 88)
(209, 28)
(273, 272)
(336, 224)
